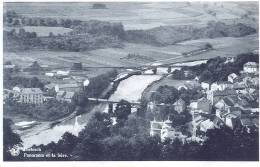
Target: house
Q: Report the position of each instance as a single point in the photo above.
(63, 73)
(206, 125)
(218, 123)
(204, 104)
(221, 114)
(221, 85)
(205, 85)
(31, 96)
(232, 77)
(60, 95)
(179, 105)
(155, 128)
(231, 120)
(224, 104)
(165, 130)
(235, 110)
(65, 96)
(239, 86)
(68, 96)
(17, 90)
(49, 74)
(250, 67)
(86, 82)
(50, 86)
(67, 87)
(215, 96)
(151, 107)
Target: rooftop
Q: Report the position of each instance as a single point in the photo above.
(233, 75)
(228, 101)
(31, 91)
(156, 125)
(179, 101)
(251, 64)
(70, 85)
(225, 92)
(204, 100)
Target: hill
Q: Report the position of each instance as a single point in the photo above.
(168, 35)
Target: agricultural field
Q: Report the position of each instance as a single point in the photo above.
(41, 31)
(138, 15)
(227, 47)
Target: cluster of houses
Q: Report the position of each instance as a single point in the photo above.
(62, 88)
(232, 103)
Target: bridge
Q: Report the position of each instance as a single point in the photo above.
(141, 68)
(111, 103)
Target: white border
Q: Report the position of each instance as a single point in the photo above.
(104, 163)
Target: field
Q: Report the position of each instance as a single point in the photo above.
(139, 15)
(41, 31)
(135, 16)
(227, 47)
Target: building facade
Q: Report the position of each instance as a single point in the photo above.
(31, 96)
(250, 67)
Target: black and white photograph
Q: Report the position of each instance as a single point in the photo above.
(130, 81)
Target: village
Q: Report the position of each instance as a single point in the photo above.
(61, 85)
(224, 104)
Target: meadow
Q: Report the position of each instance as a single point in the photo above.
(137, 15)
(42, 31)
(227, 47)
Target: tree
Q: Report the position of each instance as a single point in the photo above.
(8, 63)
(206, 76)
(51, 34)
(208, 46)
(165, 94)
(11, 139)
(123, 109)
(67, 143)
(224, 144)
(90, 146)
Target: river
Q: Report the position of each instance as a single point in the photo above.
(129, 89)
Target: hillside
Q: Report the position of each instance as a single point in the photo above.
(167, 35)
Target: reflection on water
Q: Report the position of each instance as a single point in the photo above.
(131, 89)
(53, 134)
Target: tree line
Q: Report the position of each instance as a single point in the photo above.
(218, 69)
(130, 141)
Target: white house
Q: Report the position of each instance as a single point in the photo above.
(232, 77)
(250, 67)
(205, 85)
(31, 96)
(63, 73)
(206, 125)
(165, 130)
(49, 74)
(67, 87)
(220, 85)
